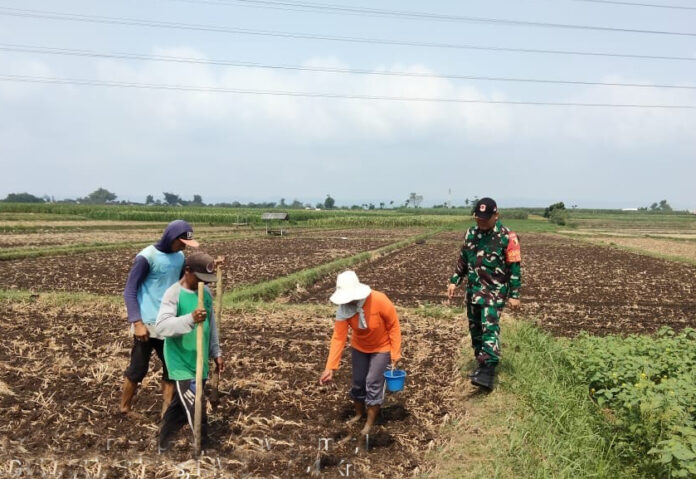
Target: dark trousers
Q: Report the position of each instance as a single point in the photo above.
(140, 359)
(181, 411)
(368, 377)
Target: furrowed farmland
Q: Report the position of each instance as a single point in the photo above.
(66, 345)
(568, 286)
(246, 261)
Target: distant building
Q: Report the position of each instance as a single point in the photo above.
(629, 209)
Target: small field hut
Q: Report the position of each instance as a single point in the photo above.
(275, 223)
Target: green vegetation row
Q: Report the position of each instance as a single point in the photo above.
(269, 290)
(601, 407)
(648, 383)
(130, 212)
(34, 252)
(558, 430)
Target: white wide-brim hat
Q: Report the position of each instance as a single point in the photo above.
(349, 288)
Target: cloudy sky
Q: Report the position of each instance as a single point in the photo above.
(66, 140)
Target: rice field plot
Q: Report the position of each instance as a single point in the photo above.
(60, 376)
(247, 260)
(568, 285)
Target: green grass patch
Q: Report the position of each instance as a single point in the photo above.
(33, 252)
(24, 228)
(560, 432)
(540, 422)
(437, 311)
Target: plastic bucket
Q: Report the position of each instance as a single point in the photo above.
(395, 379)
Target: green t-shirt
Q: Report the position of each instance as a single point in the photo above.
(180, 351)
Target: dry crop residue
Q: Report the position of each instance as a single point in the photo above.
(246, 261)
(681, 249)
(568, 285)
(129, 233)
(64, 368)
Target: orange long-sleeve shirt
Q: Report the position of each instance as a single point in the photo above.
(382, 334)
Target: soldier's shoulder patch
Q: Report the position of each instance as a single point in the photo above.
(512, 252)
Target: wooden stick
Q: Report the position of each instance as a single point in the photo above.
(198, 415)
(215, 383)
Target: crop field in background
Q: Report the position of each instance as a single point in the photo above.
(64, 352)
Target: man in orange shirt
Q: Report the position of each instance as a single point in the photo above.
(375, 342)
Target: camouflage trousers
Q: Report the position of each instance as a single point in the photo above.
(484, 327)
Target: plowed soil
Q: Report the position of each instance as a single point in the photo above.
(568, 286)
(246, 261)
(61, 367)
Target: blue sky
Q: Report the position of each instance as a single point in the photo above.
(67, 140)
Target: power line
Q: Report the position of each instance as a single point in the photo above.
(636, 4)
(415, 15)
(207, 89)
(311, 36)
(204, 61)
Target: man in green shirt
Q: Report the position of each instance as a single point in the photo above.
(490, 261)
(176, 322)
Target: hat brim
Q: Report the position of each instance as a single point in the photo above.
(206, 277)
(484, 216)
(190, 242)
(343, 296)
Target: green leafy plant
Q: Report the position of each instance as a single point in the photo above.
(646, 386)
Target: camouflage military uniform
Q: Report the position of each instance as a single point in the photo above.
(490, 260)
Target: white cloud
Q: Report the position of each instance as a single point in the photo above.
(309, 120)
(111, 132)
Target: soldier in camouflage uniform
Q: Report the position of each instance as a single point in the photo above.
(490, 260)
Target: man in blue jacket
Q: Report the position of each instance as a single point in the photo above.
(154, 270)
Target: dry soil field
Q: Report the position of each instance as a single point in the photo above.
(62, 366)
(247, 260)
(568, 285)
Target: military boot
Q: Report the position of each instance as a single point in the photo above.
(485, 378)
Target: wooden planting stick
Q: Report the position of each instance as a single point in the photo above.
(198, 415)
(215, 383)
